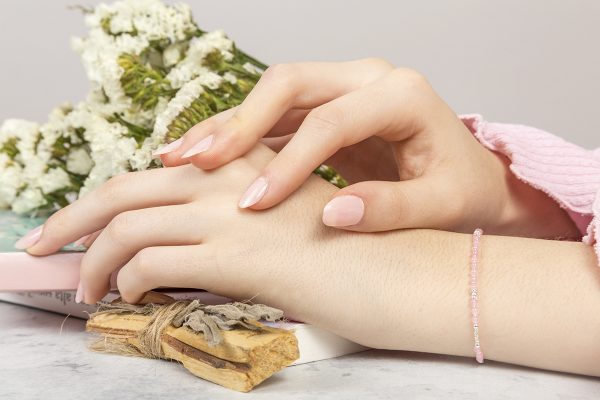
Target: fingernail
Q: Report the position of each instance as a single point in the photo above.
(199, 147)
(343, 211)
(79, 294)
(30, 238)
(255, 192)
(168, 148)
(81, 240)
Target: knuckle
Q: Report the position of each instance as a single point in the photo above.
(142, 263)
(409, 77)
(325, 120)
(111, 191)
(141, 274)
(402, 202)
(235, 132)
(280, 73)
(119, 229)
(128, 292)
(378, 64)
(209, 124)
(283, 82)
(323, 125)
(127, 295)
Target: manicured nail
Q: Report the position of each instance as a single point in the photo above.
(343, 211)
(199, 147)
(30, 238)
(254, 193)
(81, 240)
(79, 294)
(168, 148)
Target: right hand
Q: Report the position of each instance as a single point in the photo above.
(412, 161)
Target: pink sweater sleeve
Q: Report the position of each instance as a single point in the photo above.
(567, 173)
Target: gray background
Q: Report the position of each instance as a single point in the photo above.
(534, 62)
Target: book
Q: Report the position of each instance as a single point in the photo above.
(49, 283)
(20, 271)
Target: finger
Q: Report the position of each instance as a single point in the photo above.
(170, 154)
(374, 206)
(281, 89)
(170, 266)
(288, 124)
(342, 122)
(125, 192)
(127, 234)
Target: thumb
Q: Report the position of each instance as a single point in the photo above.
(374, 206)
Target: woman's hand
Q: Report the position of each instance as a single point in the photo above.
(412, 161)
(181, 227)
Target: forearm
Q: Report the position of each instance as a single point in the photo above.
(539, 300)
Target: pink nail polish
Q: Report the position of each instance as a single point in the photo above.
(30, 238)
(168, 148)
(255, 192)
(81, 240)
(79, 294)
(344, 211)
(199, 147)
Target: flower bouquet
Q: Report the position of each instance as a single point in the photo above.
(154, 74)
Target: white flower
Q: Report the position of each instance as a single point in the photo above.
(33, 169)
(25, 132)
(17, 128)
(191, 66)
(71, 197)
(110, 147)
(140, 117)
(28, 200)
(229, 77)
(54, 179)
(10, 176)
(132, 25)
(183, 99)
(79, 161)
(149, 18)
(171, 55)
(57, 126)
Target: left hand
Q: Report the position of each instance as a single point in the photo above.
(181, 227)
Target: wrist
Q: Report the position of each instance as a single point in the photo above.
(530, 212)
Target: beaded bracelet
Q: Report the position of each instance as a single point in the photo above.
(474, 299)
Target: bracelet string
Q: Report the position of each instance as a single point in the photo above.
(474, 294)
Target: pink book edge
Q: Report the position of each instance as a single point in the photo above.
(24, 272)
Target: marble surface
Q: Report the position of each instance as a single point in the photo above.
(44, 356)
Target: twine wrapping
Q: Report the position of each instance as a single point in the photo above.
(208, 320)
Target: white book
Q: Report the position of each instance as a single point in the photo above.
(313, 343)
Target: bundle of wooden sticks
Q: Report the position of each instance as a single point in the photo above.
(236, 352)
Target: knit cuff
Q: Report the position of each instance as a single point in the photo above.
(567, 173)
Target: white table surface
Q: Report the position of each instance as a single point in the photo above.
(39, 360)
